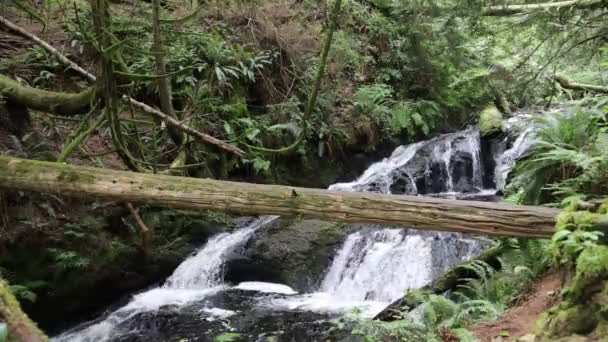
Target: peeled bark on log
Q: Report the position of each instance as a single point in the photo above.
(507, 10)
(244, 198)
(568, 84)
(20, 327)
(46, 101)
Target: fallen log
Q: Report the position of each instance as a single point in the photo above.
(506, 10)
(568, 84)
(191, 193)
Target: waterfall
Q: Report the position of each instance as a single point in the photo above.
(506, 161)
(204, 269)
(380, 176)
(199, 276)
(379, 265)
(372, 268)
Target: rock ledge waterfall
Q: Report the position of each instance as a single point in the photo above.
(371, 269)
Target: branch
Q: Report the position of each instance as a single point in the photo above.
(517, 9)
(142, 106)
(185, 128)
(47, 101)
(146, 234)
(63, 59)
(568, 84)
(86, 128)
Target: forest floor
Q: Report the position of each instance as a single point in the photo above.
(520, 319)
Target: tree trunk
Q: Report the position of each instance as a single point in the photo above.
(191, 193)
(164, 83)
(507, 10)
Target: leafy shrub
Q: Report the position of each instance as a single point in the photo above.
(570, 157)
(375, 103)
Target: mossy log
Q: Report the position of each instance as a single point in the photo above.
(244, 198)
(506, 10)
(568, 84)
(46, 101)
(20, 327)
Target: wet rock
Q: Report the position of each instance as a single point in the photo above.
(291, 252)
(241, 314)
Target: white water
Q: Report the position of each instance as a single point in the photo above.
(265, 287)
(374, 266)
(205, 268)
(379, 176)
(198, 277)
(506, 161)
(379, 265)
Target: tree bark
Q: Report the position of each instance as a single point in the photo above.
(164, 83)
(20, 327)
(190, 193)
(568, 84)
(47, 101)
(517, 9)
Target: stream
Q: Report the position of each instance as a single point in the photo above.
(372, 268)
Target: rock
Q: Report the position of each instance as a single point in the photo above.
(291, 252)
(490, 121)
(527, 338)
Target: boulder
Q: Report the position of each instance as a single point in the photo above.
(294, 252)
(490, 121)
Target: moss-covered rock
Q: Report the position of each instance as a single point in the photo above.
(490, 121)
(583, 309)
(293, 252)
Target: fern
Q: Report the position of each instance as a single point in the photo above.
(68, 260)
(569, 158)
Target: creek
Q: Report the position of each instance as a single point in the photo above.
(371, 268)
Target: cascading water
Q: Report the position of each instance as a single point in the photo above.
(373, 267)
(365, 266)
(196, 278)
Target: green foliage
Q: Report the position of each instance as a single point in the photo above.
(68, 260)
(375, 103)
(483, 297)
(227, 337)
(569, 158)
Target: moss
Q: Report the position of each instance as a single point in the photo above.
(20, 326)
(591, 269)
(573, 220)
(490, 121)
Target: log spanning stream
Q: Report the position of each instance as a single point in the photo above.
(458, 175)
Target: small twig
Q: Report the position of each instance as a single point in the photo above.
(146, 233)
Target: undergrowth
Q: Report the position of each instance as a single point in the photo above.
(482, 297)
